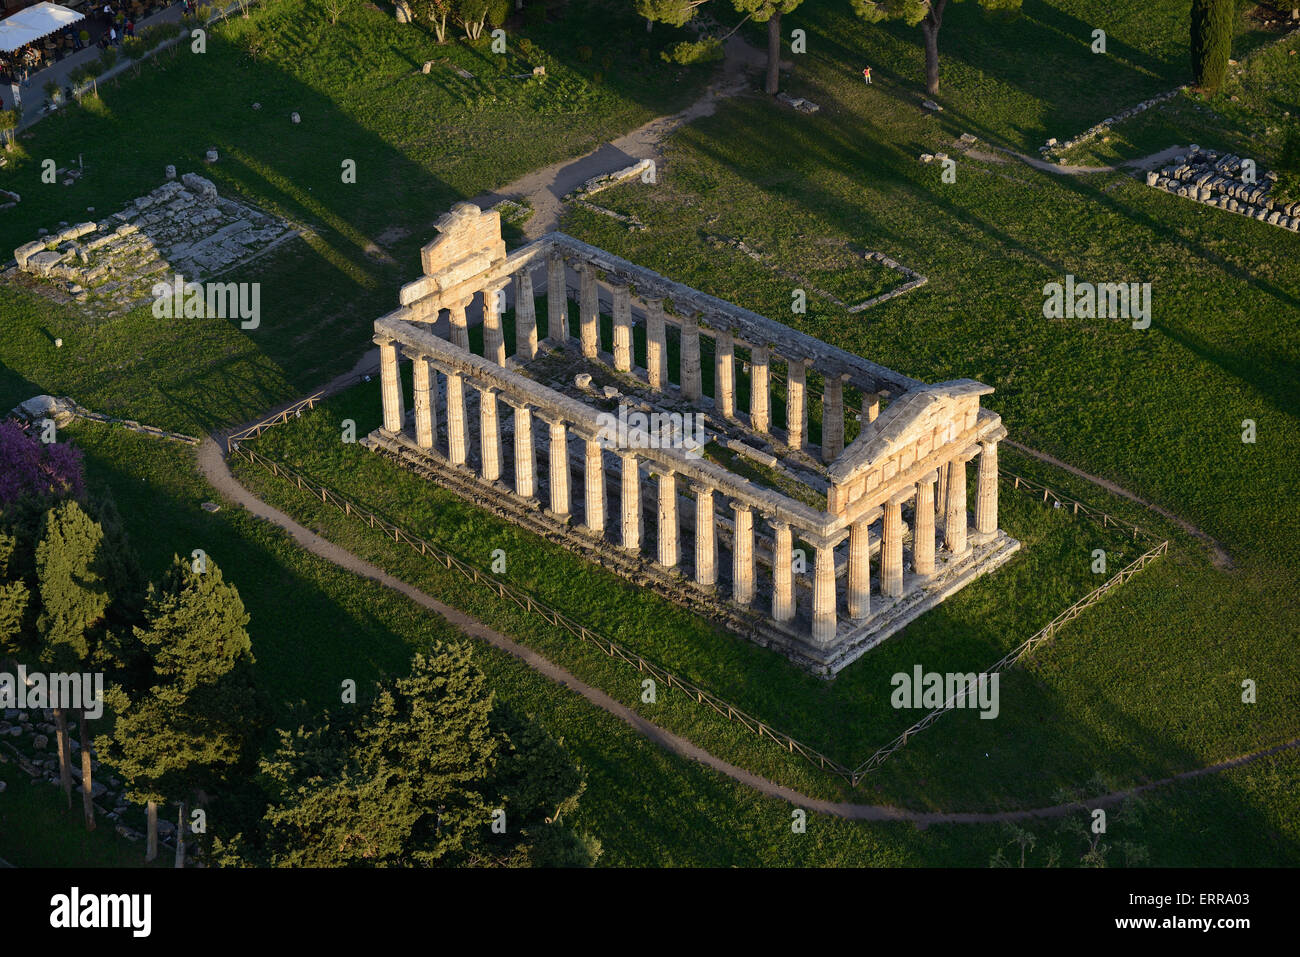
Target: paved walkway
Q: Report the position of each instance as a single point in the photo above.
(216, 470)
(544, 188)
(33, 91)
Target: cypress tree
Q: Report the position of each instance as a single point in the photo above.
(1212, 22)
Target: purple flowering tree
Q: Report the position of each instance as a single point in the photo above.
(29, 466)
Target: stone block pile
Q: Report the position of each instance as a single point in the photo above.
(181, 228)
(1216, 180)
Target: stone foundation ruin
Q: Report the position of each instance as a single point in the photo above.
(820, 552)
(181, 228)
(1207, 177)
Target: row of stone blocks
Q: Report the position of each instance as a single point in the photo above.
(1215, 184)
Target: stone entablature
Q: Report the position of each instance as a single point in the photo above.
(495, 428)
(919, 432)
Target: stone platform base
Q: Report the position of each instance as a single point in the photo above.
(852, 638)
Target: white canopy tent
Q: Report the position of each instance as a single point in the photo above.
(31, 24)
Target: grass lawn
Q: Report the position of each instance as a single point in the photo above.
(421, 142)
(1143, 685)
(38, 830)
(338, 625)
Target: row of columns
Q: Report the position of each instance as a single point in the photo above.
(950, 481)
(527, 343)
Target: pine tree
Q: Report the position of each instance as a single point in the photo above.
(414, 779)
(74, 599)
(928, 14)
(1212, 22)
(190, 721)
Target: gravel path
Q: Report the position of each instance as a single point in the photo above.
(1221, 557)
(544, 188)
(217, 472)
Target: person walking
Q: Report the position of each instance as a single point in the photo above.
(866, 75)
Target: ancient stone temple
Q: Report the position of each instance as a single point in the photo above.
(600, 434)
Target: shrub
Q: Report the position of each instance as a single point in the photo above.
(150, 37)
(84, 37)
(526, 48)
(1212, 22)
(8, 123)
(31, 467)
(133, 48)
(107, 59)
(498, 11)
(687, 52)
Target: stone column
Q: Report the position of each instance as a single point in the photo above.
(782, 573)
(923, 527)
(656, 344)
(525, 316)
(489, 435)
(668, 528)
(589, 310)
(759, 415)
(870, 408)
(525, 483)
(390, 379)
(742, 555)
(455, 418)
(559, 471)
(941, 497)
(859, 598)
(622, 329)
(891, 549)
(593, 483)
(691, 357)
(706, 572)
(494, 342)
(557, 300)
(955, 523)
(631, 502)
(986, 492)
(426, 418)
(832, 416)
(796, 387)
(724, 374)
(823, 623)
(459, 325)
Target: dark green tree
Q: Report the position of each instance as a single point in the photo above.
(929, 15)
(417, 778)
(678, 13)
(1212, 22)
(188, 724)
(74, 600)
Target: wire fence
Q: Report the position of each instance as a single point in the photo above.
(1012, 658)
(531, 604)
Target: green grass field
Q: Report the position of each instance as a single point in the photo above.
(1144, 685)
